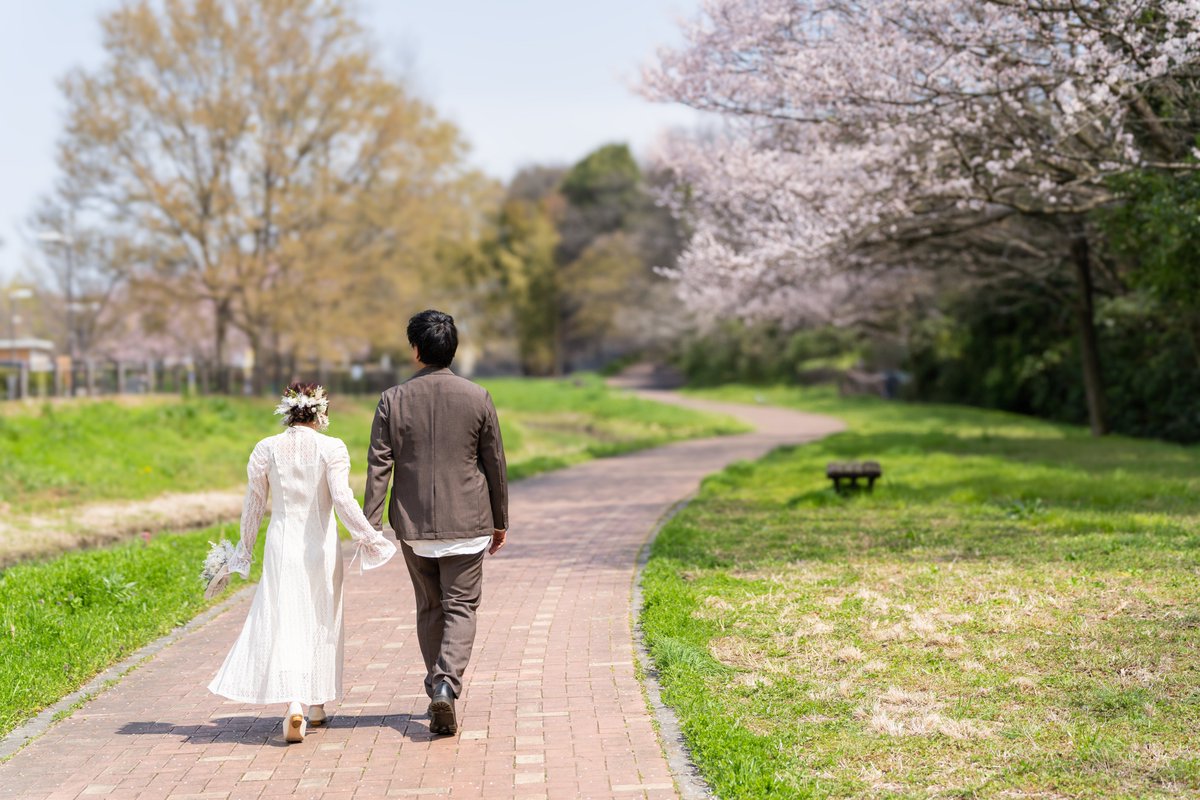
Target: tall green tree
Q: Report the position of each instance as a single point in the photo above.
(519, 269)
(594, 290)
(1155, 231)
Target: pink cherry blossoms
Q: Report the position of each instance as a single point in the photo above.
(846, 123)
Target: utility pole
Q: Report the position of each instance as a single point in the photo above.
(57, 237)
(72, 343)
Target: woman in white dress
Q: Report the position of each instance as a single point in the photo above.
(291, 648)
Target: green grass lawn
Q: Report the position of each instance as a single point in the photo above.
(64, 620)
(65, 454)
(550, 424)
(1014, 612)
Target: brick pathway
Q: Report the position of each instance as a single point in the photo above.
(551, 707)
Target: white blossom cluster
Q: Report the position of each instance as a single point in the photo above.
(844, 118)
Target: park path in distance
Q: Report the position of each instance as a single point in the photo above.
(552, 707)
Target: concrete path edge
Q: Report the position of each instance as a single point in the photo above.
(688, 778)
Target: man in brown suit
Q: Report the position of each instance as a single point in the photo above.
(437, 437)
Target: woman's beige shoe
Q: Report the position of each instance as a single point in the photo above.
(294, 726)
(316, 715)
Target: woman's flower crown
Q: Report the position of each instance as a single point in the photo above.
(304, 403)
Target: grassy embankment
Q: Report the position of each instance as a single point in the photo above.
(1015, 612)
(65, 454)
(65, 620)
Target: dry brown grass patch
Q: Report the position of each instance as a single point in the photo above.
(714, 602)
(735, 652)
(892, 633)
(849, 655)
(899, 712)
(753, 680)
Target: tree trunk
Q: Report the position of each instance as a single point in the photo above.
(560, 341)
(1093, 383)
(221, 330)
(256, 368)
(1193, 330)
(276, 363)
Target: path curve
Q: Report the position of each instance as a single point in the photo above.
(551, 709)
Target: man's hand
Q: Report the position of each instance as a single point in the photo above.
(498, 538)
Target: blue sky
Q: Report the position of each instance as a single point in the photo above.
(526, 80)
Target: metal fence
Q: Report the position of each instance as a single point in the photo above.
(97, 378)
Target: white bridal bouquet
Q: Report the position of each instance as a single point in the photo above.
(216, 572)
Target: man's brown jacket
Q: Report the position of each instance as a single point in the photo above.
(437, 438)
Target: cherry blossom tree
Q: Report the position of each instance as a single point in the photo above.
(854, 129)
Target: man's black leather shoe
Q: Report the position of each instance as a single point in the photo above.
(441, 711)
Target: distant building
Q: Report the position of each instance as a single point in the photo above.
(36, 355)
(22, 358)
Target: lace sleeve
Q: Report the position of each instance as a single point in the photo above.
(253, 508)
(371, 545)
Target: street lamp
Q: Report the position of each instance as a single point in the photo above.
(57, 237)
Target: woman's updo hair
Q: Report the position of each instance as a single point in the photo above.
(304, 403)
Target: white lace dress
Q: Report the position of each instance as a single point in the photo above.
(291, 645)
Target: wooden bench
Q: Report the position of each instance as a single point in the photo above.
(851, 472)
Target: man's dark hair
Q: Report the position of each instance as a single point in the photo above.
(435, 337)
